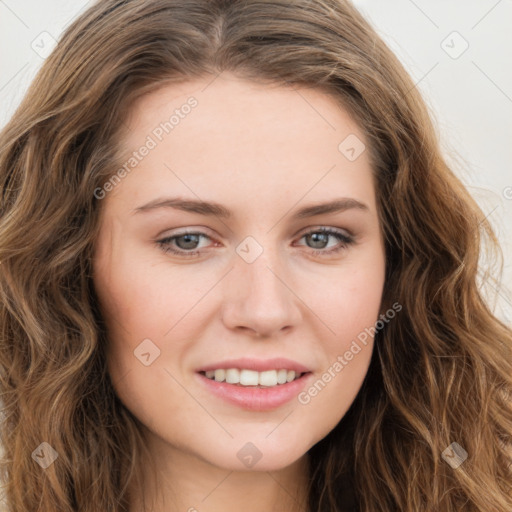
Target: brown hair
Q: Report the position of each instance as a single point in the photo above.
(440, 372)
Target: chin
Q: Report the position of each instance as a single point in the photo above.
(257, 455)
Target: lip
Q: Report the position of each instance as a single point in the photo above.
(253, 398)
(259, 365)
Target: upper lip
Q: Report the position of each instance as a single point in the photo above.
(259, 365)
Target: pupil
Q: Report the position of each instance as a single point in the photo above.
(317, 236)
(189, 239)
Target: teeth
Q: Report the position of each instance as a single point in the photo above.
(220, 375)
(281, 376)
(233, 376)
(249, 378)
(268, 378)
(245, 377)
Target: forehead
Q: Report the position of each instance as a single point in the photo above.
(227, 135)
(227, 102)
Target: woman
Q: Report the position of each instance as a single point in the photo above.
(253, 371)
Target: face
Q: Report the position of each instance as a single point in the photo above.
(215, 260)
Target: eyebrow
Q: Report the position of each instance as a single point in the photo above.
(215, 209)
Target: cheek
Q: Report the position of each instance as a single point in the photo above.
(347, 299)
(347, 355)
(350, 307)
(144, 300)
(140, 295)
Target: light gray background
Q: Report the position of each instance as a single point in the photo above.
(469, 92)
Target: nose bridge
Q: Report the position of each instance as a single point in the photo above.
(257, 296)
(261, 279)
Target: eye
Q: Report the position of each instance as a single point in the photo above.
(186, 244)
(320, 236)
(184, 241)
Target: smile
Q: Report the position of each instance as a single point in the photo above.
(254, 397)
(245, 377)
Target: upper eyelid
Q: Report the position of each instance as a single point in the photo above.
(206, 231)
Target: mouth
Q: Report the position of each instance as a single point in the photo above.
(243, 377)
(253, 390)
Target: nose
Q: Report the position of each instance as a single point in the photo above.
(259, 298)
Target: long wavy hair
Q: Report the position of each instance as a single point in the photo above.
(440, 372)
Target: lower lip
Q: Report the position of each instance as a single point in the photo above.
(253, 398)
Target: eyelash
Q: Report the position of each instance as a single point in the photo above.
(345, 240)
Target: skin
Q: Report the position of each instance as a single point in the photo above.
(263, 152)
